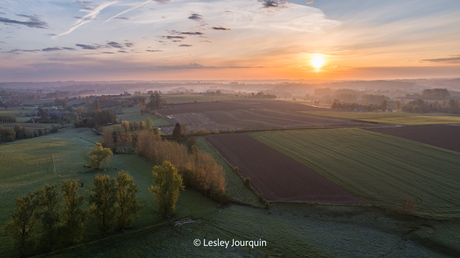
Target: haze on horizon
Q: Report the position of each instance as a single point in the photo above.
(50, 40)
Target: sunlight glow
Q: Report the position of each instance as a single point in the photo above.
(317, 61)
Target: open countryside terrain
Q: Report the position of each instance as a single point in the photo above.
(443, 136)
(382, 170)
(289, 230)
(248, 115)
(277, 176)
(391, 117)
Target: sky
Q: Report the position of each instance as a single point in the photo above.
(51, 40)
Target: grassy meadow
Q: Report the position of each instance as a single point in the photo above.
(382, 170)
(391, 117)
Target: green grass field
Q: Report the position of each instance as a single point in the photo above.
(391, 117)
(136, 117)
(289, 229)
(383, 170)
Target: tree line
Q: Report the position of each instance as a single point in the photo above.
(62, 218)
(19, 132)
(199, 170)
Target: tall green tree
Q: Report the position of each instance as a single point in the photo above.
(73, 216)
(128, 205)
(167, 189)
(99, 154)
(103, 199)
(49, 202)
(148, 123)
(20, 228)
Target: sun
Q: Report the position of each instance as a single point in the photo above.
(317, 61)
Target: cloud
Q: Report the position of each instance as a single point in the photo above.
(162, 1)
(17, 51)
(192, 33)
(309, 1)
(88, 46)
(196, 33)
(174, 37)
(185, 45)
(32, 22)
(122, 51)
(196, 17)
(109, 53)
(272, 3)
(129, 10)
(220, 28)
(87, 18)
(115, 44)
(153, 51)
(194, 66)
(449, 60)
(48, 49)
(129, 44)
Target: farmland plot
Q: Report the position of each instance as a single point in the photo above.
(248, 115)
(383, 170)
(443, 136)
(277, 176)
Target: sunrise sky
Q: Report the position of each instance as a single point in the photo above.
(50, 40)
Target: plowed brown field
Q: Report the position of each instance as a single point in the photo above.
(247, 115)
(277, 176)
(443, 136)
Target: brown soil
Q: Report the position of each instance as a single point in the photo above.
(277, 176)
(443, 136)
(248, 115)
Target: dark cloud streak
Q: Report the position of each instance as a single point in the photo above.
(220, 28)
(451, 60)
(33, 22)
(196, 17)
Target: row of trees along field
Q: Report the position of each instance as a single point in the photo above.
(200, 170)
(19, 132)
(48, 219)
(421, 106)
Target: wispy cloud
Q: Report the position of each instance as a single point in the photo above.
(32, 22)
(87, 18)
(449, 60)
(48, 49)
(185, 45)
(129, 10)
(220, 28)
(91, 47)
(196, 17)
(194, 66)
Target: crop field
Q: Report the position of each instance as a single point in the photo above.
(390, 117)
(235, 188)
(277, 176)
(443, 136)
(248, 115)
(290, 230)
(382, 170)
(136, 117)
(192, 98)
